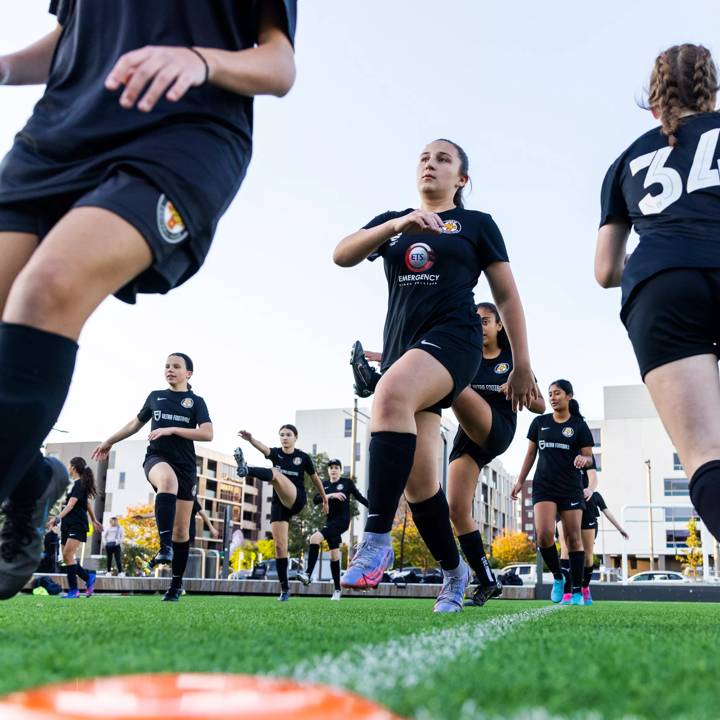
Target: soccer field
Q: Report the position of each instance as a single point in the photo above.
(509, 660)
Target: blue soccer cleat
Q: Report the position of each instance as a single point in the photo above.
(71, 595)
(577, 599)
(92, 576)
(452, 593)
(558, 590)
(368, 565)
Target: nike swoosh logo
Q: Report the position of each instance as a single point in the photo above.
(542, 428)
(574, 504)
(425, 342)
(161, 398)
(374, 515)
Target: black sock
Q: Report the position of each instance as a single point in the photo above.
(587, 576)
(71, 572)
(552, 560)
(391, 460)
(181, 550)
(474, 551)
(261, 473)
(565, 568)
(313, 553)
(35, 372)
(33, 482)
(82, 573)
(705, 495)
(432, 519)
(335, 570)
(282, 565)
(165, 517)
(577, 565)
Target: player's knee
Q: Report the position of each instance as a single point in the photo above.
(42, 291)
(391, 403)
(460, 513)
(545, 538)
(316, 538)
(574, 540)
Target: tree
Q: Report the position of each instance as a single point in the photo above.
(266, 548)
(411, 548)
(141, 538)
(692, 556)
(513, 547)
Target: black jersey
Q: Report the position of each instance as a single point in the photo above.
(584, 473)
(491, 376)
(671, 196)
(293, 465)
(195, 150)
(339, 510)
(558, 445)
(431, 278)
(168, 408)
(78, 516)
(598, 503)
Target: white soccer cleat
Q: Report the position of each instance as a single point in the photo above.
(337, 594)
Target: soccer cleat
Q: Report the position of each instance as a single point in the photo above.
(556, 594)
(337, 594)
(452, 592)
(71, 595)
(23, 530)
(92, 576)
(163, 557)
(587, 597)
(577, 599)
(172, 594)
(367, 566)
(242, 468)
(366, 377)
(483, 593)
(566, 599)
(303, 577)
(284, 596)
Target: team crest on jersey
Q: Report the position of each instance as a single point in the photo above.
(187, 403)
(171, 226)
(157, 414)
(568, 432)
(502, 368)
(419, 257)
(340, 486)
(452, 226)
(297, 461)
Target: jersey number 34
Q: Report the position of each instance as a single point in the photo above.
(702, 174)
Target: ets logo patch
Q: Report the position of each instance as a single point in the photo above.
(170, 224)
(419, 257)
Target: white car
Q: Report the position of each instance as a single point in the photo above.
(527, 572)
(657, 577)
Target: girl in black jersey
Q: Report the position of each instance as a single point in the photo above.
(288, 482)
(432, 349)
(115, 185)
(73, 519)
(487, 427)
(565, 443)
(666, 186)
(179, 418)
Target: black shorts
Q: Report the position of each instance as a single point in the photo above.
(176, 255)
(674, 315)
(563, 501)
(589, 518)
(454, 350)
(186, 475)
(73, 531)
(502, 432)
(332, 532)
(279, 513)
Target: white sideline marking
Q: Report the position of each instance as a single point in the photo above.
(472, 711)
(406, 661)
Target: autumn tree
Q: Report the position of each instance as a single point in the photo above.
(409, 547)
(141, 538)
(513, 547)
(692, 557)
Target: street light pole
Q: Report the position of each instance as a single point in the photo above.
(648, 466)
(353, 474)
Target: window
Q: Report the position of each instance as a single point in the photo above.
(679, 514)
(314, 449)
(211, 469)
(346, 470)
(676, 486)
(121, 480)
(348, 427)
(598, 461)
(528, 502)
(677, 465)
(596, 433)
(529, 526)
(357, 452)
(676, 538)
(531, 513)
(108, 502)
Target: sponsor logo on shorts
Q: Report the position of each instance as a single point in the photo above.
(171, 226)
(419, 257)
(502, 368)
(297, 461)
(568, 432)
(452, 226)
(426, 342)
(157, 414)
(187, 403)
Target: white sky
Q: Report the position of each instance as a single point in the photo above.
(542, 97)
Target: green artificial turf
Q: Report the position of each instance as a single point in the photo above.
(616, 660)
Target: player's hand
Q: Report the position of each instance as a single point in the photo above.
(582, 461)
(521, 388)
(102, 451)
(50, 524)
(337, 496)
(419, 222)
(168, 71)
(245, 435)
(372, 356)
(98, 526)
(325, 505)
(587, 493)
(160, 432)
(215, 532)
(516, 490)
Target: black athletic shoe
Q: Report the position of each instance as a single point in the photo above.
(242, 468)
(366, 377)
(173, 594)
(164, 557)
(483, 593)
(284, 596)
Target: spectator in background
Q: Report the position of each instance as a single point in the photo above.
(113, 537)
(51, 543)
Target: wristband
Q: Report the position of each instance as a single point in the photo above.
(205, 63)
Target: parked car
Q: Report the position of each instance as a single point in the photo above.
(433, 576)
(657, 577)
(527, 572)
(267, 570)
(407, 575)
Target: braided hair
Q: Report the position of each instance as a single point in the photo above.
(683, 79)
(85, 475)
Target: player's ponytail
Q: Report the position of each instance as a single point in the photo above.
(85, 475)
(684, 78)
(503, 340)
(464, 171)
(567, 388)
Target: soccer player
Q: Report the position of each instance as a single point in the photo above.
(115, 185)
(432, 348)
(487, 427)
(338, 491)
(288, 482)
(73, 519)
(666, 185)
(179, 418)
(564, 443)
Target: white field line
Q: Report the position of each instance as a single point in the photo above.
(407, 661)
(471, 710)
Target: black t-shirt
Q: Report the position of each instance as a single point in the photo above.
(78, 516)
(339, 510)
(293, 465)
(195, 150)
(491, 376)
(598, 503)
(431, 278)
(558, 445)
(584, 473)
(671, 196)
(168, 408)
